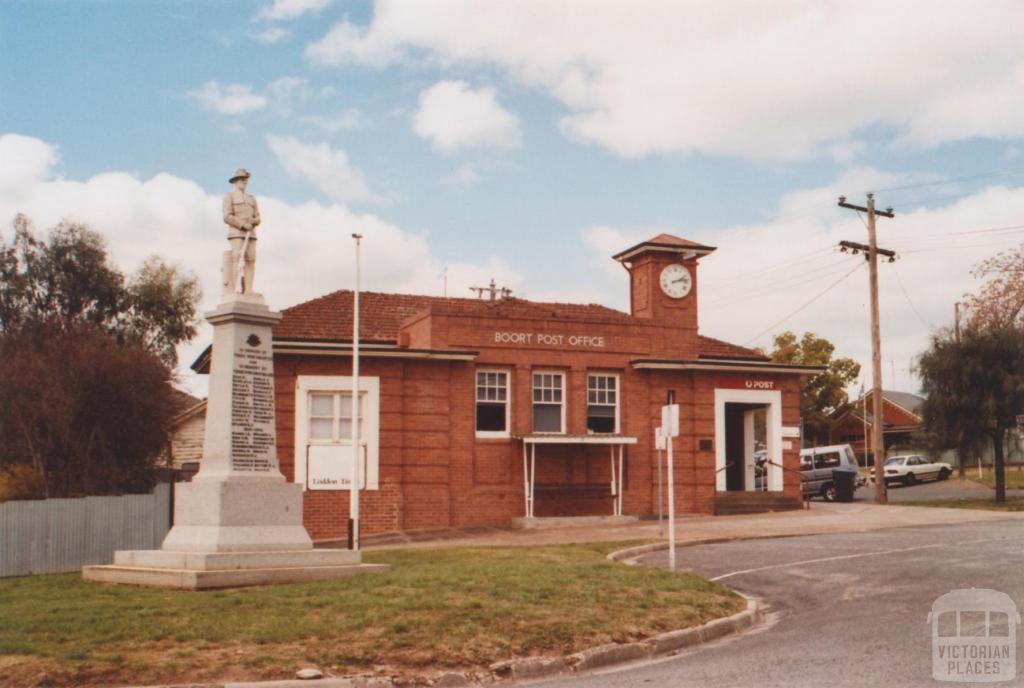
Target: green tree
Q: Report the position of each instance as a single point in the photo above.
(820, 395)
(68, 281)
(85, 362)
(974, 389)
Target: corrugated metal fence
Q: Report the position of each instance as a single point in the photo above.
(60, 535)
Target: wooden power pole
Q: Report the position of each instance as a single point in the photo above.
(872, 251)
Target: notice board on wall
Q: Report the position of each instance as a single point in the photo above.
(329, 467)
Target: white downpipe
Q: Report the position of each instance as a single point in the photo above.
(620, 482)
(533, 477)
(526, 483)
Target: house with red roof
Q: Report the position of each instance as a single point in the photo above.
(901, 419)
(495, 411)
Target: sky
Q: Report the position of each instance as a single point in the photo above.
(528, 141)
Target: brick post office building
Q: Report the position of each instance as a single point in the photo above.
(477, 412)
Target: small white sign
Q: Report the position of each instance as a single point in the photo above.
(787, 444)
(790, 431)
(660, 441)
(670, 420)
(329, 467)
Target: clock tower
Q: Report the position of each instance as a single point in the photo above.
(663, 279)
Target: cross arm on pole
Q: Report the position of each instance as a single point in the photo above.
(888, 212)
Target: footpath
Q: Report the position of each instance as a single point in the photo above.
(821, 518)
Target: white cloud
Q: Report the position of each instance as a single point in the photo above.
(454, 116)
(271, 35)
(761, 80)
(763, 272)
(290, 9)
(346, 120)
(464, 176)
(287, 92)
(305, 250)
(326, 168)
(27, 161)
(231, 99)
(282, 94)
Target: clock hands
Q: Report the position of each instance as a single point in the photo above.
(679, 280)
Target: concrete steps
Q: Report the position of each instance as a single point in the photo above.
(729, 503)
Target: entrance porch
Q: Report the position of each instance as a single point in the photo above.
(597, 495)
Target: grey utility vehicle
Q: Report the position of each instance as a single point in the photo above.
(817, 464)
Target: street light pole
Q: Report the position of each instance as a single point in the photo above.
(356, 453)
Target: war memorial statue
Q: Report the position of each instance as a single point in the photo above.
(242, 216)
(239, 521)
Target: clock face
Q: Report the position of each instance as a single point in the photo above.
(676, 281)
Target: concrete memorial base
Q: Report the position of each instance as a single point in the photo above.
(211, 570)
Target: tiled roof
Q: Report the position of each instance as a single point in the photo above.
(910, 402)
(671, 240)
(663, 242)
(182, 401)
(716, 348)
(381, 315)
(329, 317)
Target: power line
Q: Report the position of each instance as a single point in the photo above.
(957, 247)
(942, 236)
(827, 289)
(769, 288)
(909, 302)
(953, 180)
(787, 263)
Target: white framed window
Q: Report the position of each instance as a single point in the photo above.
(549, 401)
(493, 403)
(602, 403)
(323, 431)
(330, 416)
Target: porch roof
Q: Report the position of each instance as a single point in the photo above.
(547, 438)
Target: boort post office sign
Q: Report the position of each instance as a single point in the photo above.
(546, 339)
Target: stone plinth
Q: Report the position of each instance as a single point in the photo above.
(239, 522)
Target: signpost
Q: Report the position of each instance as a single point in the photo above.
(659, 445)
(670, 430)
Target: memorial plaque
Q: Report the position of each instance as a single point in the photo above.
(252, 409)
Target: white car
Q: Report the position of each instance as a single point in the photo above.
(911, 469)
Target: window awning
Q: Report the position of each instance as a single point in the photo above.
(544, 438)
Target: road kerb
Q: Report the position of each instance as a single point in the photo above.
(604, 656)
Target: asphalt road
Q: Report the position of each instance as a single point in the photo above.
(942, 489)
(845, 610)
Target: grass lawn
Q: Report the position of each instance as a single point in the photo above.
(1011, 503)
(460, 608)
(1014, 476)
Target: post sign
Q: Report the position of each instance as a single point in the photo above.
(670, 420)
(660, 441)
(752, 383)
(329, 467)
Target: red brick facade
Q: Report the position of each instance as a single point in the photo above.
(434, 471)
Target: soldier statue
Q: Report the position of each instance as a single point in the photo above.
(242, 217)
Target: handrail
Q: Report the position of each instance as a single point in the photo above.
(803, 480)
(728, 465)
